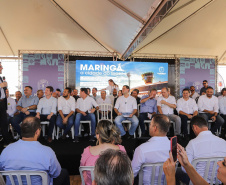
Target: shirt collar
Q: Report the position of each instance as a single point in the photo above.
(158, 138)
(205, 133)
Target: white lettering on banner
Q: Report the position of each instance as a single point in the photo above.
(84, 67)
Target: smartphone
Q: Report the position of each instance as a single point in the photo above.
(173, 147)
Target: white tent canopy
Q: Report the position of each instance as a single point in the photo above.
(191, 27)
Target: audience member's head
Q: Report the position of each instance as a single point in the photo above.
(94, 91)
(27, 91)
(40, 94)
(75, 92)
(114, 92)
(125, 90)
(113, 167)
(223, 92)
(103, 95)
(18, 95)
(88, 91)
(159, 125)
(58, 92)
(198, 124)
(30, 128)
(67, 92)
(205, 83)
(83, 92)
(48, 91)
(107, 132)
(209, 92)
(119, 93)
(7, 93)
(54, 95)
(186, 93)
(135, 93)
(165, 92)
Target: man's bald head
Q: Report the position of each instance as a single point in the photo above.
(29, 126)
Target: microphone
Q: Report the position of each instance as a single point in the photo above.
(3, 78)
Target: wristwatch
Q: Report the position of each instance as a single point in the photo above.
(27, 108)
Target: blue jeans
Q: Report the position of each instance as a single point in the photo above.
(134, 121)
(80, 117)
(70, 122)
(15, 121)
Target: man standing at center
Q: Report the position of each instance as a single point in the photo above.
(165, 104)
(126, 108)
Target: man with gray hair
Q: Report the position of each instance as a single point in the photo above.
(113, 167)
(166, 105)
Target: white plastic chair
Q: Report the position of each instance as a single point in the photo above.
(80, 126)
(87, 169)
(154, 167)
(103, 112)
(43, 124)
(27, 174)
(209, 162)
(72, 132)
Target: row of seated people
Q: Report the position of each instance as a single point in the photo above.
(125, 108)
(41, 158)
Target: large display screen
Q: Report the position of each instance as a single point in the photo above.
(138, 75)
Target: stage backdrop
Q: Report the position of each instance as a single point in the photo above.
(41, 70)
(140, 75)
(194, 70)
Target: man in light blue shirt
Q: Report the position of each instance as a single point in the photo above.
(29, 154)
(27, 106)
(155, 150)
(148, 107)
(46, 110)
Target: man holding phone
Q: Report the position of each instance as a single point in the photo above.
(208, 109)
(155, 150)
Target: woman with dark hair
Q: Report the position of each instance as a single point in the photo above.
(108, 137)
(111, 87)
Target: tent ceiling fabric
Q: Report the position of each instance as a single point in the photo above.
(201, 34)
(88, 25)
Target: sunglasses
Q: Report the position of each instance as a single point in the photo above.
(223, 162)
(192, 89)
(203, 83)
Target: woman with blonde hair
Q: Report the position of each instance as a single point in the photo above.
(108, 137)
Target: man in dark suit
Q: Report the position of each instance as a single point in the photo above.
(3, 108)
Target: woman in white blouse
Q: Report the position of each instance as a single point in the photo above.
(111, 87)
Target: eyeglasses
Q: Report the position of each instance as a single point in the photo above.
(192, 89)
(203, 83)
(223, 162)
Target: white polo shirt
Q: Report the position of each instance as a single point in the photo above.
(165, 108)
(195, 95)
(66, 105)
(86, 104)
(106, 101)
(11, 103)
(126, 105)
(205, 145)
(222, 104)
(189, 106)
(210, 104)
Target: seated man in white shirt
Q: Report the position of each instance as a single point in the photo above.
(155, 150)
(205, 145)
(11, 106)
(126, 108)
(166, 105)
(29, 154)
(85, 111)
(186, 108)
(94, 94)
(46, 110)
(66, 108)
(104, 100)
(222, 106)
(208, 109)
(193, 94)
